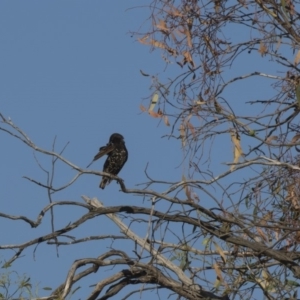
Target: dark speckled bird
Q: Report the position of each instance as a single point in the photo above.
(117, 157)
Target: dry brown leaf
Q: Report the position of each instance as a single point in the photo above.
(295, 138)
(174, 12)
(264, 274)
(166, 120)
(154, 114)
(188, 37)
(278, 45)
(261, 234)
(188, 193)
(238, 152)
(271, 138)
(293, 197)
(297, 58)
(217, 5)
(143, 108)
(266, 281)
(221, 252)
(290, 6)
(182, 134)
(219, 274)
(207, 40)
(186, 189)
(206, 91)
(277, 233)
(187, 119)
(163, 26)
(143, 40)
(244, 3)
(218, 107)
(199, 102)
(261, 282)
(268, 216)
(237, 155)
(262, 49)
(297, 237)
(277, 189)
(236, 141)
(195, 197)
(190, 22)
(228, 49)
(158, 44)
(188, 57)
(161, 45)
(191, 128)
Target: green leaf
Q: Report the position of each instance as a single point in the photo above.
(6, 265)
(283, 4)
(247, 198)
(252, 132)
(184, 263)
(205, 241)
(292, 283)
(255, 210)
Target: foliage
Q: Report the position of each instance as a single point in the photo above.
(15, 286)
(239, 220)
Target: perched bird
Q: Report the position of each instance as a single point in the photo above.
(117, 157)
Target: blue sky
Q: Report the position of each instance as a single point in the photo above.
(71, 70)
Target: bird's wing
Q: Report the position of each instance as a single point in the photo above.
(104, 150)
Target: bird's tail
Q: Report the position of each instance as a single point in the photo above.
(105, 181)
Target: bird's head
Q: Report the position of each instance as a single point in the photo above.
(116, 138)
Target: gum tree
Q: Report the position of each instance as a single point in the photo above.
(230, 92)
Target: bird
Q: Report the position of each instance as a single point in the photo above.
(117, 157)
